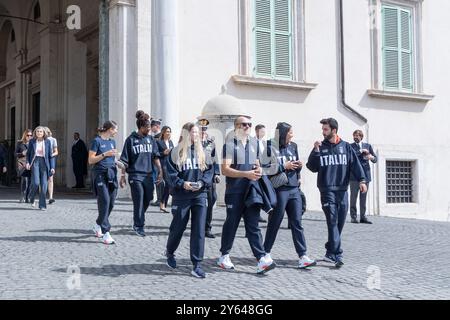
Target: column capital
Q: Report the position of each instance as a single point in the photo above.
(114, 3)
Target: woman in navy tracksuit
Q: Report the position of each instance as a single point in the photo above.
(288, 196)
(140, 157)
(42, 165)
(102, 154)
(165, 144)
(188, 175)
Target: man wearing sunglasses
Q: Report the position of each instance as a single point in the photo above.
(240, 166)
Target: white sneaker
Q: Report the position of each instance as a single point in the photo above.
(33, 204)
(225, 262)
(306, 262)
(265, 264)
(107, 239)
(97, 231)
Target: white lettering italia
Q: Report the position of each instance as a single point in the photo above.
(190, 165)
(333, 160)
(142, 148)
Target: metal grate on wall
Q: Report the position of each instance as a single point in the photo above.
(399, 181)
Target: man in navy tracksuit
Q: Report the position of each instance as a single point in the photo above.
(189, 183)
(334, 159)
(365, 154)
(140, 157)
(240, 166)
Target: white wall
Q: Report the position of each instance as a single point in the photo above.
(208, 35)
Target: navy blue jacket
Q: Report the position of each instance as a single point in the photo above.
(189, 171)
(283, 155)
(334, 162)
(210, 150)
(163, 147)
(365, 163)
(138, 154)
(262, 194)
(49, 160)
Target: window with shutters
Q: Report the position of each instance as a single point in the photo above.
(272, 35)
(396, 56)
(397, 48)
(272, 49)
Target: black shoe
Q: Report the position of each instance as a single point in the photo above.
(164, 210)
(51, 201)
(339, 263)
(139, 232)
(365, 221)
(154, 204)
(171, 262)
(208, 234)
(354, 220)
(198, 272)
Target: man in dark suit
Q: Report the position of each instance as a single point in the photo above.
(365, 155)
(3, 161)
(79, 160)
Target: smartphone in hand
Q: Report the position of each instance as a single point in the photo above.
(195, 185)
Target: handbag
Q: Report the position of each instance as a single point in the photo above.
(279, 180)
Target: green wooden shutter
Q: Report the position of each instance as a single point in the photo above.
(273, 38)
(283, 39)
(406, 50)
(263, 38)
(397, 49)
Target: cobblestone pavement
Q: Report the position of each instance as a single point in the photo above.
(37, 250)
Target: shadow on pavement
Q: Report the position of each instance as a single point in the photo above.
(51, 239)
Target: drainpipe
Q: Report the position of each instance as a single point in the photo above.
(344, 104)
(342, 65)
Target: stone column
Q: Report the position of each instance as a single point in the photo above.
(52, 84)
(122, 67)
(144, 36)
(165, 62)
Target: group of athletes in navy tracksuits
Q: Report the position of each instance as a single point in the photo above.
(190, 170)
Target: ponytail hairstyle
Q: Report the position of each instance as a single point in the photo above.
(184, 148)
(281, 133)
(106, 126)
(143, 120)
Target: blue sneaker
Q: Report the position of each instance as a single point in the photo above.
(339, 262)
(198, 272)
(329, 258)
(171, 261)
(139, 232)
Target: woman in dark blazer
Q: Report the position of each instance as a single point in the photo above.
(25, 175)
(42, 165)
(164, 146)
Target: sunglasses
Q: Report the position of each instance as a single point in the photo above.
(29, 135)
(246, 124)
